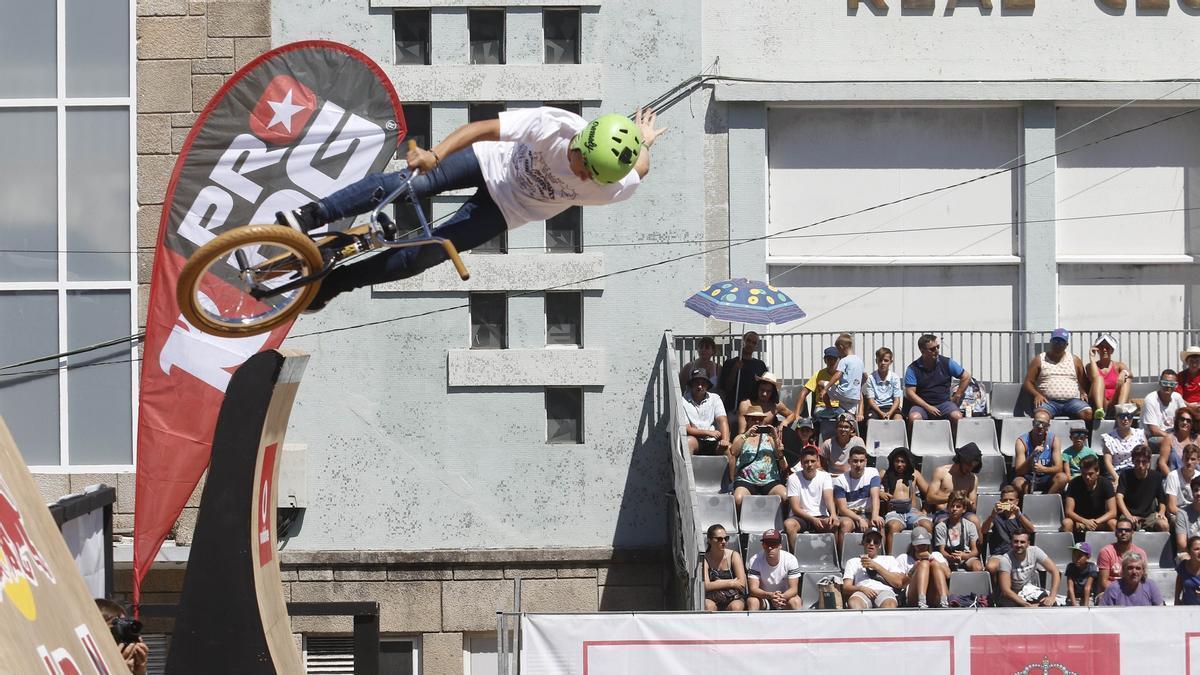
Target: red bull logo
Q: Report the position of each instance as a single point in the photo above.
(20, 558)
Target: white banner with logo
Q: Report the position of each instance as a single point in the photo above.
(992, 641)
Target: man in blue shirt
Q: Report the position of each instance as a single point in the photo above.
(927, 383)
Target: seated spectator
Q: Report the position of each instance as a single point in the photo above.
(928, 573)
(1002, 523)
(871, 579)
(1133, 589)
(756, 462)
(1189, 378)
(795, 440)
(737, 379)
(706, 349)
(1187, 523)
(1178, 485)
(1159, 408)
(1187, 575)
(846, 383)
(927, 383)
(1073, 454)
(1091, 500)
(1018, 578)
(1140, 495)
(136, 653)
(816, 386)
(1111, 555)
(1056, 382)
(961, 474)
(766, 397)
(1120, 442)
(957, 538)
(810, 496)
(896, 490)
(1170, 451)
(1109, 380)
(1081, 575)
(774, 576)
(883, 392)
(1037, 459)
(835, 451)
(707, 427)
(856, 493)
(724, 575)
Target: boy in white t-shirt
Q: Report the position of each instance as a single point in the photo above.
(773, 576)
(526, 165)
(810, 495)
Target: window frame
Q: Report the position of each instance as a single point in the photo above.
(475, 11)
(396, 35)
(578, 295)
(572, 211)
(472, 296)
(577, 57)
(580, 436)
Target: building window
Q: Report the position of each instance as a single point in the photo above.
(412, 37)
(570, 106)
(477, 112)
(564, 318)
(417, 118)
(486, 28)
(398, 657)
(67, 274)
(564, 415)
(489, 321)
(481, 654)
(560, 28)
(334, 654)
(564, 232)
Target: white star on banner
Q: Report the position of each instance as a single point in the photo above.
(285, 110)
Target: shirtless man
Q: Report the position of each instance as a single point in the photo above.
(961, 474)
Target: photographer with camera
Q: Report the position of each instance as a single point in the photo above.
(757, 465)
(128, 635)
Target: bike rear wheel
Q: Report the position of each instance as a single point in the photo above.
(215, 286)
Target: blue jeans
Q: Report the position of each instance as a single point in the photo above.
(476, 221)
(1070, 407)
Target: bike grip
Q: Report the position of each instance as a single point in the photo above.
(452, 253)
(412, 145)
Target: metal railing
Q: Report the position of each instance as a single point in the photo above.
(686, 554)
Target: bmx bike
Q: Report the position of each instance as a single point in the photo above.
(268, 274)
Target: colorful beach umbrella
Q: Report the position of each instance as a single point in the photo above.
(745, 301)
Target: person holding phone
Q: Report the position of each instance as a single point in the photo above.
(756, 461)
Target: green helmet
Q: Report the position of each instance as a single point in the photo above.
(610, 145)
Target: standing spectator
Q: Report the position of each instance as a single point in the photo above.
(1189, 379)
(1159, 408)
(1134, 589)
(738, 375)
(707, 427)
(1075, 453)
(766, 398)
(957, 538)
(883, 392)
(928, 573)
(1120, 442)
(846, 383)
(1081, 575)
(1110, 380)
(1002, 523)
(898, 483)
(1055, 380)
(1091, 501)
(1140, 494)
(961, 474)
(774, 576)
(816, 386)
(810, 496)
(1187, 523)
(1111, 555)
(1178, 485)
(1017, 575)
(724, 574)
(872, 580)
(1170, 451)
(1187, 575)
(856, 493)
(835, 451)
(927, 383)
(706, 349)
(1037, 459)
(756, 461)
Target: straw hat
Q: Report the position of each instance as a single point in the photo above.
(1190, 351)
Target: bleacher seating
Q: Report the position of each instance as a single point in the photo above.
(978, 430)
(759, 513)
(900, 542)
(1008, 399)
(809, 591)
(984, 503)
(816, 552)
(992, 474)
(1102, 428)
(1062, 430)
(714, 509)
(852, 546)
(1098, 540)
(1057, 545)
(964, 583)
(1158, 546)
(1164, 578)
(883, 436)
(931, 438)
(1010, 430)
(1044, 511)
(709, 472)
(1138, 391)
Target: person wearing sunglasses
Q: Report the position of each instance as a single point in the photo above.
(1073, 454)
(1037, 458)
(1056, 382)
(1170, 451)
(1140, 494)
(1159, 408)
(1111, 556)
(724, 574)
(1110, 380)
(1120, 442)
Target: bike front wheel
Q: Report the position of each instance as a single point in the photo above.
(226, 287)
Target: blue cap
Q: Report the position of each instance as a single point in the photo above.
(831, 352)
(1061, 334)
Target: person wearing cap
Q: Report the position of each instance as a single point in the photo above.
(707, 427)
(1074, 453)
(1017, 575)
(816, 386)
(804, 435)
(1120, 442)
(706, 349)
(756, 461)
(899, 481)
(927, 383)
(810, 496)
(1109, 380)
(845, 385)
(1081, 575)
(737, 380)
(1140, 494)
(766, 397)
(773, 576)
(1037, 458)
(856, 493)
(1133, 589)
(960, 474)
(927, 570)
(1159, 408)
(835, 450)
(1187, 524)
(1055, 380)
(872, 580)
(883, 391)
(1090, 501)
(1189, 379)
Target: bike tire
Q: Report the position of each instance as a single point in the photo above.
(187, 289)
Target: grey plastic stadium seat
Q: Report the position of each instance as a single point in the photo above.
(1164, 578)
(1057, 545)
(1010, 430)
(1062, 430)
(883, 436)
(709, 472)
(1008, 399)
(984, 504)
(1138, 391)
(716, 509)
(900, 542)
(809, 590)
(1102, 428)
(1044, 511)
(931, 437)
(760, 512)
(963, 583)
(1159, 547)
(816, 552)
(930, 463)
(992, 474)
(1098, 540)
(852, 546)
(978, 430)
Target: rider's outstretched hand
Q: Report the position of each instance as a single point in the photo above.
(418, 158)
(645, 120)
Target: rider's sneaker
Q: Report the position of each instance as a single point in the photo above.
(304, 219)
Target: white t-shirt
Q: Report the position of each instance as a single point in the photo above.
(860, 577)
(1175, 484)
(1024, 571)
(811, 492)
(904, 563)
(527, 171)
(775, 578)
(703, 415)
(1163, 418)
